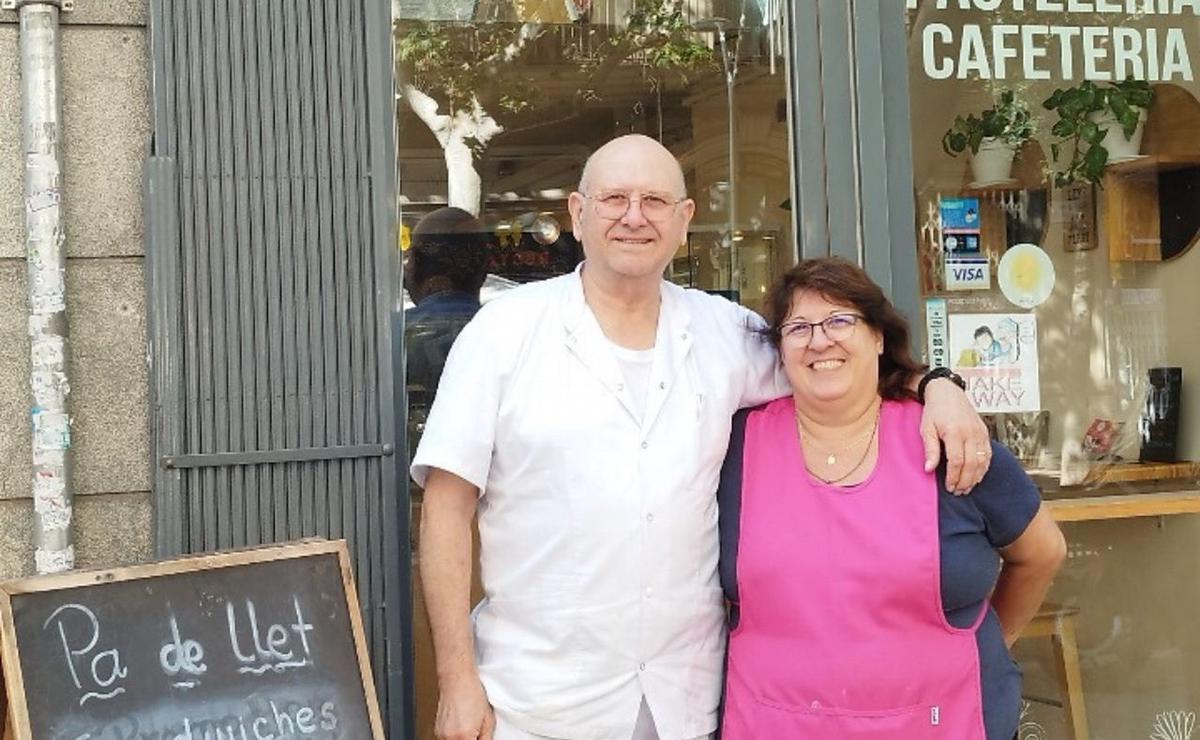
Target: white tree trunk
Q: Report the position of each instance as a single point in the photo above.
(463, 183)
(453, 132)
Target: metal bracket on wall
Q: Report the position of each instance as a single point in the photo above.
(64, 5)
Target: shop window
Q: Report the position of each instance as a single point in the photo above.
(1057, 177)
(501, 102)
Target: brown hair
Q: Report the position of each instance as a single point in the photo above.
(841, 281)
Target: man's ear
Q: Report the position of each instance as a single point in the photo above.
(689, 210)
(411, 266)
(575, 203)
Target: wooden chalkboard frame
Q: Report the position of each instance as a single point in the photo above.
(14, 684)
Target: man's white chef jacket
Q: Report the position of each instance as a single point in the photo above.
(598, 529)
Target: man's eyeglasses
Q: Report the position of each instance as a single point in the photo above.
(838, 328)
(614, 204)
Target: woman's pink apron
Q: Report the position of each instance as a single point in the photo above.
(842, 635)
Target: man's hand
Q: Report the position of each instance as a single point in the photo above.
(950, 417)
(463, 711)
(446, 561)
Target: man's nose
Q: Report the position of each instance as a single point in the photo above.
(633, 214)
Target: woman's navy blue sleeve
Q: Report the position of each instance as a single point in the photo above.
(1007, 498)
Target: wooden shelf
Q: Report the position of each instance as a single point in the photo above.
(1134, 471)
(1124, 491)
(1154, 163)
(1124, 506)
(1012, 186)
(1129, 472)
(1150, 212)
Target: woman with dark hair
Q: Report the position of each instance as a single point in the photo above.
(866, 601)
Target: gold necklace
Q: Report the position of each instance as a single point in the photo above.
(857, 465)
(831, 455)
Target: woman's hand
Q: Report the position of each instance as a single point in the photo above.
(950, 419)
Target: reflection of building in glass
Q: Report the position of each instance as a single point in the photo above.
(507, 141)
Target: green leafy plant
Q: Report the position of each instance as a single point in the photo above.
(1008, 120)
(1081, 112)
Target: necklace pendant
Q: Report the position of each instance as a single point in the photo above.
(831, 460)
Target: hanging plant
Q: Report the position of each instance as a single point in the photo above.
(1008, 121)
(1086, 112)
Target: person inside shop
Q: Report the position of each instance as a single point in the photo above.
(584, 419)
(445, 267)
(867, 603)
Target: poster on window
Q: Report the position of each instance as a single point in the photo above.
(996, 353)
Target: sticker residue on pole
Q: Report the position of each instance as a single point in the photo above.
(49, 502)
(50, 387)
(54, 561)
(51, 429)
(43, 200)
(47, 294)
(47, 351)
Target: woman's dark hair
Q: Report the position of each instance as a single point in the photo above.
(843, 282)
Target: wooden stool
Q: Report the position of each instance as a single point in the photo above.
(1058, 623)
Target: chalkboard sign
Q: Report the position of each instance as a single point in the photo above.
(260, 644)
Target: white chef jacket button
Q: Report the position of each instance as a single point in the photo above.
(648, 591)
(650, 518)
(662, 386)
(645, 445)
(620, 386)
(641, 666)
(684, 335)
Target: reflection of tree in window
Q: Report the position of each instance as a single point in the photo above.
(487, 70)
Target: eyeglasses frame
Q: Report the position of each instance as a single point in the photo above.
(783, 334)
(630, 196)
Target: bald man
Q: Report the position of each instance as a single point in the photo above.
(584, 419)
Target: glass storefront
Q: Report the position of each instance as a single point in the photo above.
(500, 104)
(1056, 171)
(1056, 178)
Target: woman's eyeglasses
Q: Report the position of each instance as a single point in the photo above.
(838, 328)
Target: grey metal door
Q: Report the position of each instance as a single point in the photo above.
(270, 203)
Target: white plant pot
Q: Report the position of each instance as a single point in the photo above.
(1119, 148)
(993, 162)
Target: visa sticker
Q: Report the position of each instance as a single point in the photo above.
(968, 274)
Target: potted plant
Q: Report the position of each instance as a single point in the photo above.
(994, 136)
(1102, 123)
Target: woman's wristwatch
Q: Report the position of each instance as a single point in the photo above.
(934, 374)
